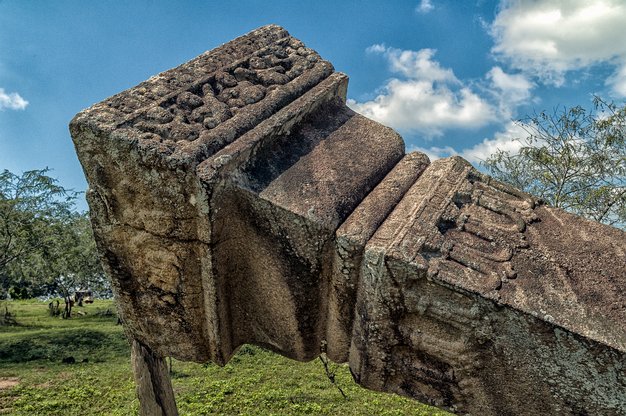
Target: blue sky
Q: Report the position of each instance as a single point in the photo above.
(449, 75)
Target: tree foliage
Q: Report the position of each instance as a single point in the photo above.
(572, 158)
(45, 246)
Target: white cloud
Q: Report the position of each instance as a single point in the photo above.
(510, 90)
(12, 101)
(424, 7)
(517, 87)
(418, 65)
(503, 140)
(617, 81)
(547, 38)
(376, 48)
(429, 99)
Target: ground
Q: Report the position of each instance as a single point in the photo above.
(35, 381)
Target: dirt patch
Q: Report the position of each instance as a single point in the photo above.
(64, 375)
(8, 382)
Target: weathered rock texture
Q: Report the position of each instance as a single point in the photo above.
(236, 199)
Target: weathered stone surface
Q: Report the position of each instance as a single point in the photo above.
(459, 303)
(350, 240)
(236, 199)
(154, 387)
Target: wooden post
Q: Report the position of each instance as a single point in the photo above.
(154, 388)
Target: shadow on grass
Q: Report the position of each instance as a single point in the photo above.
(56, 345)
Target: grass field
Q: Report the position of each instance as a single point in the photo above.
(34, 381)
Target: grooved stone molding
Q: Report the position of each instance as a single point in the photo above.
(236, 199)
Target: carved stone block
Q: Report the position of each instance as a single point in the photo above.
(236, 199)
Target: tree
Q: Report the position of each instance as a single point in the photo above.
(573, 159)
(45, 246)
(30, 207)
(71, 260)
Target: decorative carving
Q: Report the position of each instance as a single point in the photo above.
(216, 99)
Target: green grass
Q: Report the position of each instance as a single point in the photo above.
(254, 382)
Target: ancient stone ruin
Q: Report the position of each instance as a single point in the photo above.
(236, 199)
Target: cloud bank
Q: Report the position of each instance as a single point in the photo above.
(548, 38)
(536, 43)
(428, 98)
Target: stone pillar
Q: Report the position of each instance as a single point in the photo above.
(154, 387)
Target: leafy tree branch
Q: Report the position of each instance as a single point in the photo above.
(572, 158)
